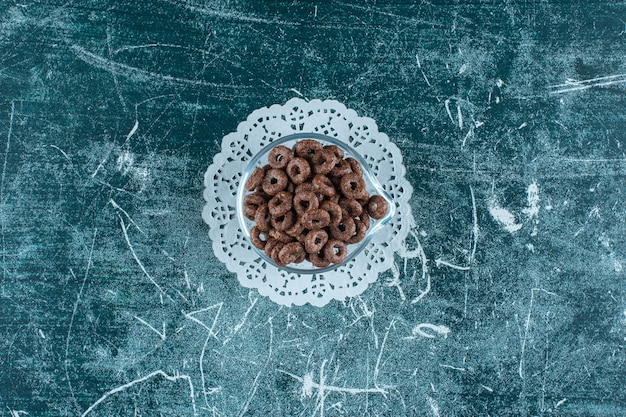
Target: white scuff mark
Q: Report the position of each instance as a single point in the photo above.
(433, 406)
(43, 336)
(560, 403)
(419, 65)
(446, 103)
(575, 85)
(132, 131)
(532, 193)
(462, 69)
(429, 331)
(504, 217)
(17, 413)
(617, 266)
(125, 162)
(460, 115)
(499, 83)
(523, 125)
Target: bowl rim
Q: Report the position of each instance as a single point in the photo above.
(346, 147)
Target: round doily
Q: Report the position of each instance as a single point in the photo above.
(221, 180)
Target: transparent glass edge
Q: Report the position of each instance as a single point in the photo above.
(241, 191)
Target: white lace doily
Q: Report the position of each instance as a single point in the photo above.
(222, 179)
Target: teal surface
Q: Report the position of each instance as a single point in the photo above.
(511, 118)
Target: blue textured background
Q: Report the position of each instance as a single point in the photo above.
(511, 117)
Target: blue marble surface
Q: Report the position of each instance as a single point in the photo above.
(511, 117)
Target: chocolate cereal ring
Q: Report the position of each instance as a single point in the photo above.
(352, 185)
(360, 232)
(335, 251)
(284, 221)
(344, 230)
(275, 180)
(256, 239)
(255, 179)
(280, 204)
(341, 168)
(334, 210)
(355, 166)
(274, 255)
(318, 260)
(324, 161)
(351, 206)
(251, 203)
(324, 185)
(262, 218)
(315, 219)
(377, 207)
(304, 201)
(336, 150)
(269, 246)
(296, 230)
(315, 240)
(279, 157)
(298, 170)
(307, 148)
(292, 252)
(280, 236)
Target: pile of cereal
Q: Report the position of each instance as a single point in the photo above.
(309, 203)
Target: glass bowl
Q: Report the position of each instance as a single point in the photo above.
(372, 185)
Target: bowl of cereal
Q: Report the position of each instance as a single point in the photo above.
(309, 203)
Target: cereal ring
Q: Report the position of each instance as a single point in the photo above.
(324, 185)
(269, 246)
(344, 230)
(351, 206)
(292, 252)
(352, 185)
(334, 210)
(262, 218)
(317, 260)
(304, 201)
(279, 157)
(377, 207)
(298, 170)
(365, 218)
(305, 186)
(275, 252)
(342, 168)
(307, 148)
(283, 222)
(335, 251)
(280, 204)
(324, 161)
(315, 219)
(360, 232)
(255, 179)
(275, 181)
(363, 198)
(295, 230)
(336, 150)
(256, 239)
(280, 236)
(251, 203)
(315, 240)
(355, 166)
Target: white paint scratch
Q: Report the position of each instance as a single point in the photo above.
(172, 378)
(145, 323)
